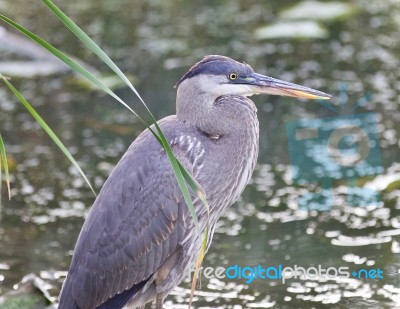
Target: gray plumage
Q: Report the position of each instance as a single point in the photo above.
(139, 241)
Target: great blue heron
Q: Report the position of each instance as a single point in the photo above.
(139, 240)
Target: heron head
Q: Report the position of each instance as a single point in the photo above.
(218, 75)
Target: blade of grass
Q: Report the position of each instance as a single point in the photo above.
(181, 182)
(199, 262)
(177, 167)
(3, 157)
(4, 163)
(203, 250)
(76, 67)
(71, 63)
(97, 50)
(1, 183)
(47, 129)
(195, 186)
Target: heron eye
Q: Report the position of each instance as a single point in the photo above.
(233, 76)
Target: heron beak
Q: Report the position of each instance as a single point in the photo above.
(266, 84)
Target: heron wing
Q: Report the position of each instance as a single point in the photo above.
(135, 224)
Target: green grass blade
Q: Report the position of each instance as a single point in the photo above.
(47, 129)
(76, 67)
(1, 188)
(181, 181)
(107, 60)
(194, 185)
(73, 65)
(3, 161)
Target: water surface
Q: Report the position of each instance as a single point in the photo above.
(155, 42)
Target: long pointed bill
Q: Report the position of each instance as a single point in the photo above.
(266, 84)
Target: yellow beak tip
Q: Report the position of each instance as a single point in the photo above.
(306, 95)
(323, 98)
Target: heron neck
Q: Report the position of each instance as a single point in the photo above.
(193, 106)
(231, 159)
(214, 115)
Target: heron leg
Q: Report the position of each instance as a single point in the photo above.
(159, 301)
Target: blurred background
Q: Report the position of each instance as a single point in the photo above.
(322, 45)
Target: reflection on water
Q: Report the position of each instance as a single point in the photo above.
(156, 41)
